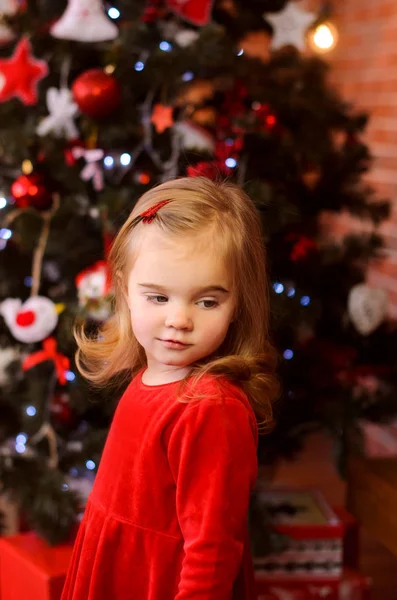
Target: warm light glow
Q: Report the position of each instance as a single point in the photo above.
(323, 38)
(27, 167)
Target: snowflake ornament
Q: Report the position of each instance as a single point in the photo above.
(290, 26)
(62, 111)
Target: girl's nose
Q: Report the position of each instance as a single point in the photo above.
(179, 318)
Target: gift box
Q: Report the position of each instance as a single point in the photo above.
(380, 441)
(351, 586)
(9, 514)
(313, 531)
(351, 538)
(30, 568)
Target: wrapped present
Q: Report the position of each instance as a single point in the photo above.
(9, 515)
(30, 568)
(380, 441)
(351, 586)
(351, 537)
(313, 531)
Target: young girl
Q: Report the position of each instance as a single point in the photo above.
(167, 517)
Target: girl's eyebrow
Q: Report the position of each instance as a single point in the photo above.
(207, 288)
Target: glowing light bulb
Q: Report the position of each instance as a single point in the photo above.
(125, 159)
(165, 46)
(108, 161)
(70, 376)
(231, 163)
(324, 37)
(278, 288)
(113, 12)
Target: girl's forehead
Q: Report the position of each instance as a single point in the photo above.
(182, 246)
(180, 259)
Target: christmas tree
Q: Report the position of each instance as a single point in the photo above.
(98, 104)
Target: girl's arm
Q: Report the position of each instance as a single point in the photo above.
(212, 454)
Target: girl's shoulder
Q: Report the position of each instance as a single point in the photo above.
(218, 390)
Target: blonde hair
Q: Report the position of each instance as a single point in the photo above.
(246, 356)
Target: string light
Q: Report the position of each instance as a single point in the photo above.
(231, 163)
(28, 281)
(139, 66)
(288, 354)
(188, 76)
(291, 292)
(90, 465)
(323, 38)
(109, 69)
(240, 52)
(305, 300)
(5, 234)
(113, 12)
(3, 202)
(165, 46)
(31, 411)
(125, 159)
(278, 288)
(108, 161)
(70, 376)
(27, 167)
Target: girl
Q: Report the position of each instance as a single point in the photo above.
(167, 517)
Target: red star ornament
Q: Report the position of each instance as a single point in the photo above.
(20, 74)
(162, 117)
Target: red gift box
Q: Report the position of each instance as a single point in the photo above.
(30, 568)
(314, 535)
(351, 586)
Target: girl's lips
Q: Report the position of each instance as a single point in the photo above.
(174, 344)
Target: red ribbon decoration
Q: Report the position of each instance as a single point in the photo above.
(49, 352)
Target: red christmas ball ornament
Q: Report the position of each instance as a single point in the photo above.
(32, 191)
(96, 93)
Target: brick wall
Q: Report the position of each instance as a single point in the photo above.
(365, 72)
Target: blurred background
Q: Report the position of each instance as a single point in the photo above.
(294, 101)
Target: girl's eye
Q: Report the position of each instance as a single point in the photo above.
(208, 303)
(157, 299)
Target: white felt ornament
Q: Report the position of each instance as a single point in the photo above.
(194, 137)
(7, 8)
(290, 26)
(62, 110)
(84, 21)
(92, 170)
(31, 321)
(367, 307)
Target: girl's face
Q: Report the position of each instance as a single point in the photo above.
(180, 300)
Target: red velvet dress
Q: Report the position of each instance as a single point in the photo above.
(167, 517)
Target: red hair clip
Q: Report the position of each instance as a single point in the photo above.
(148, 215)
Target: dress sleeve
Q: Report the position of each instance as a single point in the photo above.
(212, 455)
